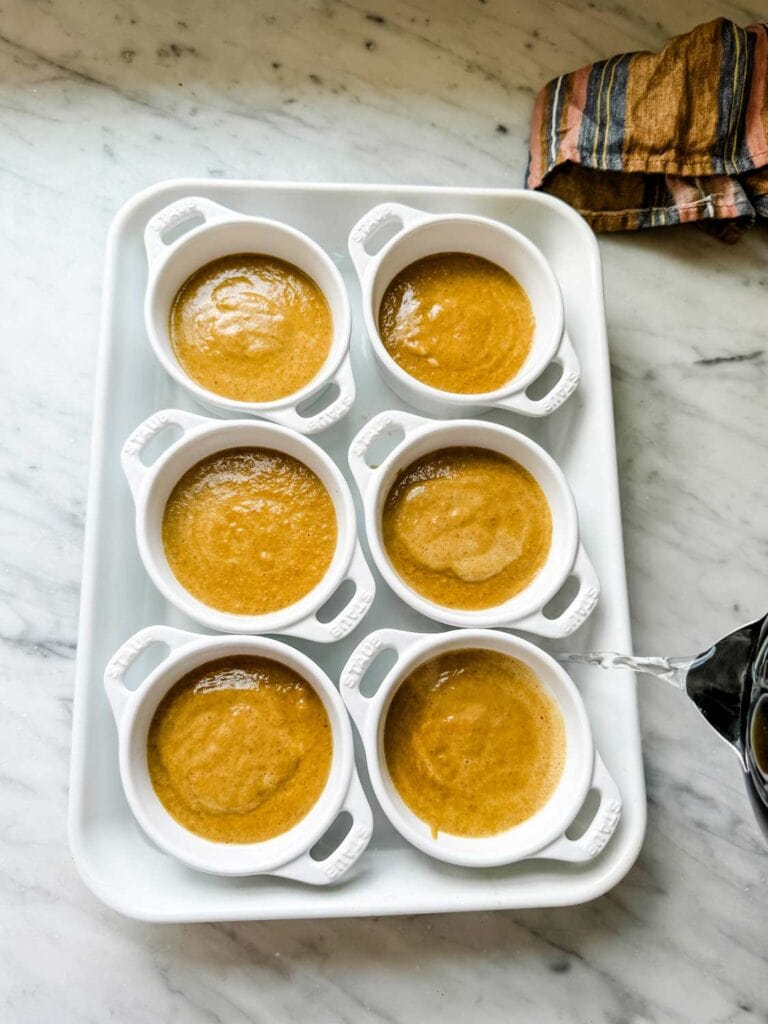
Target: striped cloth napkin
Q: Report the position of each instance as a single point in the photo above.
(648, 139)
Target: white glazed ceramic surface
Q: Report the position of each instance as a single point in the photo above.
(566, 556)
(423, 234)
(133, 876)
(542, 835)
(219, 231)
(286, 855)
(151, 487)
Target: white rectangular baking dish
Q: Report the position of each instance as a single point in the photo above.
(114, 858)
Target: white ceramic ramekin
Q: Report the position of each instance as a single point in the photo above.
(423, 234)
(567, 556)
(152, 485)
(287, 854)
(219, 231)
(544, 834)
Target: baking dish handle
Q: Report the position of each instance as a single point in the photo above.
(331, 414)
(372, 222)
(577, 612)
(118, 693)
(383, 423)
(600, 829)
(351, 614)
(322, 872)
(563, 389)
(130, 456)
(361, 659)
(176, 213)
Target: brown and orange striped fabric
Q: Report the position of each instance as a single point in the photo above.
(648, 139)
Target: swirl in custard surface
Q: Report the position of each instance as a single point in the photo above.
(457, 322)
(250, 327)
(467, 528)
(239, 750)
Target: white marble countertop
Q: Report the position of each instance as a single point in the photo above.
(100, 100)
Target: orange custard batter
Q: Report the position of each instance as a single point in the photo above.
(251, 327)
(473, 742)
(466, 527)
(239, 750)
(249, 530)
(457, 322)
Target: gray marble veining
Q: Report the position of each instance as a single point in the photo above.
(99, 100)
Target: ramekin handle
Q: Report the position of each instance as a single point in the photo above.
(382, 423)
(361, 659)
(130, 456)
(601, 828)
(351, 614)
(117, 666)
(563, 389)
(332, 413)
(577, 612)
(369, 224)
(177, 213)
(322, 872)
